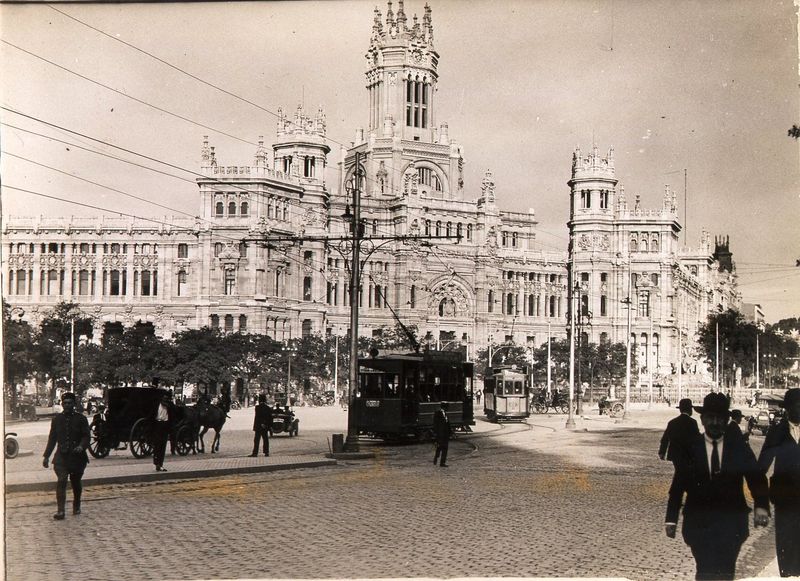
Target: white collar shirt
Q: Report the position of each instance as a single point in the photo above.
(794, 432)
(162, 415)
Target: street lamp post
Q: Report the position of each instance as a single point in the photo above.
(629, 301)
(290, 351)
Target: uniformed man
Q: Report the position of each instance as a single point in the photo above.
(441, 429)
(70, 431)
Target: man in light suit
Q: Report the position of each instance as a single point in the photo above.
(715, 514)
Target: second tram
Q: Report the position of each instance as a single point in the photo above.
(506, 394)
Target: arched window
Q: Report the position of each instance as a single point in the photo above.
(458, 232)
(217, 248)
(220, 209)
(447, 307)
(215, 321)
(634, 245)
(469, 231)
(643, 246)
(412, 302)
(654, 243)
(427, 227)
(245, 209)
(490, 301)
(438, 228)
(231, 208)
(448, 227)
(242, 323)
(228, 323)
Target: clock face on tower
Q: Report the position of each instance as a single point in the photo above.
(416, 55)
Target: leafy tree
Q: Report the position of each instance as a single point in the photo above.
(791, 325)
(202, 357)
(19, 354)
(52, 342)
(737, 344)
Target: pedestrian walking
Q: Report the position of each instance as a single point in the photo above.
(679, 433)
(69, 430)
(715, 514)
(782, 446)
(162, 422)
(734, 427)
(262, 422)
(441, 429)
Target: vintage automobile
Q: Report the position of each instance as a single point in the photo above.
(284, 421)
(763, 419)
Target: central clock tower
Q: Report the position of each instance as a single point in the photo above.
(401, 76)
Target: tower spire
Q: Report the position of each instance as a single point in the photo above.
(401, 17)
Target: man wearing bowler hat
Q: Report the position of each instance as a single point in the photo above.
(715, 513)
(679, 433)
(782, 445)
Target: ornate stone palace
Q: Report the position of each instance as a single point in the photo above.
(489, 283)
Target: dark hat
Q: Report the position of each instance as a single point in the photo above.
(685, 405)
(792, 396)
(736, 415)
(68, 395)
(444, 405)
(262, 398)
(714, 403)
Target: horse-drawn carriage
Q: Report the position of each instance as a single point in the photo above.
(127, 421)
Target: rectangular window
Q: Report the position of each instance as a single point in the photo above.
(603, 306)
(83, 282)
(181, 283)
(307, 288)
(145, 283)
(644, 304)
(115, 283)
(183, 251)
(230, 282)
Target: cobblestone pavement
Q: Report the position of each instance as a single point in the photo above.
(504, 507)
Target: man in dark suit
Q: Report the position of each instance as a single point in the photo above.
(734, 428)
(163, 419)
(679, 433)
(441, 429)
(715, 514)
(262, 422)
(782, 445)
(70, 430)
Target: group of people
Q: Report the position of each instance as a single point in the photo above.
(711, 469)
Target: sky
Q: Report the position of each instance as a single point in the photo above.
(710, 87)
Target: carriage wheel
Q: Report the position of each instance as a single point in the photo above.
(183, 440)
(12, 447)
(139, 439)
(564, 408)
(539, 408)
(97, 448)
(616, 410)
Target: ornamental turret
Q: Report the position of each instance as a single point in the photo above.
(402, 74)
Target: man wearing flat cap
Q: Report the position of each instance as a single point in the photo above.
(679, 433)
(715, 512)
(782, 446)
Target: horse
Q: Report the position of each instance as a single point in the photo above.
(210, 417)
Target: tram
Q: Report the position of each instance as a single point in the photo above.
(398, 394)
(506, 394)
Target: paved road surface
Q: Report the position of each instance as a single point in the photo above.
(518, 500)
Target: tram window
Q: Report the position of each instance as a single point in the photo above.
(370, 385)
(509, 388)
(517, 387)
(392, 385)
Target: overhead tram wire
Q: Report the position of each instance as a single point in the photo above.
(153, 159)
(96, 152)
(112, 89)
